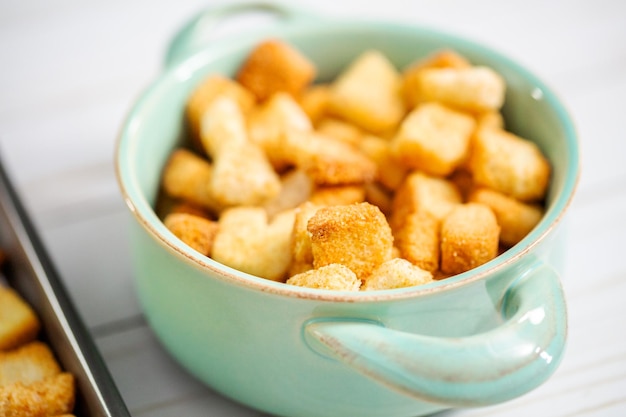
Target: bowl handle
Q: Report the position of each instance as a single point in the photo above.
(202, 29)
(488, 368)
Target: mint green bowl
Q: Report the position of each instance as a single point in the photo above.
(479, 338)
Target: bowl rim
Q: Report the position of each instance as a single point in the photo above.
(145, 215)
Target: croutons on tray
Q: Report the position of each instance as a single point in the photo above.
(382, 178)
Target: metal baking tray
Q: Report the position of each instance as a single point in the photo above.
(31, 272)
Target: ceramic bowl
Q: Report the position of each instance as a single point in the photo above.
(481, 337)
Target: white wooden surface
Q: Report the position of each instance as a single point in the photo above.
(70, 70)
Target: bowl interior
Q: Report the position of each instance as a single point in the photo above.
(155, 126)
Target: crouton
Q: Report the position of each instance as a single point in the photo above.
(507, 163)
(314, 101)
(340, 130)
(469, 238)
(516, 219)
(329, 277)
(275, 66)
(28, 363)
(302, 254)
(338, 195)
(396, 273)
(418, 240)
(390, 172)
(356, 236)
(368, 93)
(50, 396)
(18, 322)
(434, 139)
(197, 232)
(222, 123)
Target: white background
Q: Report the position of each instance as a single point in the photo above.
(70, 71)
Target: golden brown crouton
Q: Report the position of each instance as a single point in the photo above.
(469, 238)
(327, 161)
(188, 177)
(434, 139)
(340, 130)
(28, 363)
(302, 254)
(247, 242)
(329, 277)
(314, 101)
(206, 92)
(367, 93)
(439, 59)
(418, 240)
(242, 175)
(505, 162)
(475, 89)
(338, 195)
(51, 396)
(421, 192)
(390, 172)
(516, 219)
(356, 236)
(18, 322)
(275, 66)
(197, 232)
(396, 273)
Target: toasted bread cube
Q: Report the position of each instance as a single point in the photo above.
(469, 238)
(271, 120)
(274, 66)
(242, 175)
(296, 188)
(189, 208)
(247, 242)
(327, 161)
(18, 322)
(418, 240)
(314, 101)
(340, 130)
(338, 195)
(28, 363)
(507, 163)
(516, 219)
(475, 89)
(206, 92)
(54, 395)
(356, 236)
(440, 59)
(421, 192)
(222, 122)
(329, 277)
(434, 139)
(197, 232)
(490, 118)
(187, 176)
(302, 254)
(390, 172)
(368, 93)
(396, 273)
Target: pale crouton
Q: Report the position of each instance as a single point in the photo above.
(475, 89)
(271, 120)
(51, 396)
(356, 236)
(469, 238)
(434, 139)
(206, 92)
(516, 219)
(18, 322)
(396, 273)
(28, 363)
(505, 162)
(314, 101)
(187, 176)
(439, 59)
(421, 192)
(368, 93)
(247, 242)
(338, 195)
(197, 232)
(329, 277)
(296, 188)
(327, 161)
(242, 175)
(340, 130)
(390, 172)
(275, 66)
(302, 254)
(222, 122)
(418, 240)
